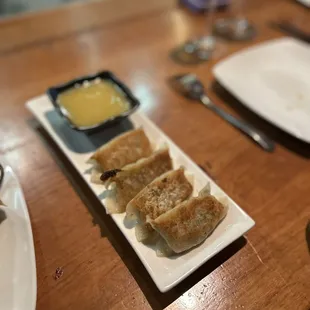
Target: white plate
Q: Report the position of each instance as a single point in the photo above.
(272, 79)
(165, 272)
(18, 282)
(305, 2)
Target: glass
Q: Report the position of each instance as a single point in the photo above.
(236, 27)
(201, 48)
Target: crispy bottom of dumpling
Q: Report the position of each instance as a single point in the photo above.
(122, 150)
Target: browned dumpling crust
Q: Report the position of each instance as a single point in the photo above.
(161, 195)
(134, 177)
(190, 223)
(123, 150)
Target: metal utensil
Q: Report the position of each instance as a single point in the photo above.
(291, 30)
(190, 86)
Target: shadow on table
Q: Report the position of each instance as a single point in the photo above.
(82, 142)
(273, 132)
(308, 235)
(156, 299)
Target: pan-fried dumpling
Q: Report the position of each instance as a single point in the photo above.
(161, 195)
(125, 149)
(190, 223)
(130, 180)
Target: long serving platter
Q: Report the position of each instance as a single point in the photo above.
(78, 146)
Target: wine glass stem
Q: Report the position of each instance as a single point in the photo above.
(238, 9)
(210, 17)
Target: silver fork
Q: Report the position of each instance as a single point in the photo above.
(190, 86)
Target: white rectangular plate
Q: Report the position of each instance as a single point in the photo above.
(272, 79)
(165, 272)
(18, 281)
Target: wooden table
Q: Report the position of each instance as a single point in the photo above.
(268, 269)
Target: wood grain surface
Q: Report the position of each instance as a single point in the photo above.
(267, 269)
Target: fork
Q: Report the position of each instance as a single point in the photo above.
(291, 30)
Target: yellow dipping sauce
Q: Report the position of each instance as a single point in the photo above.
(93, 102)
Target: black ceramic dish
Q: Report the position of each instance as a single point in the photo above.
(134, 103)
